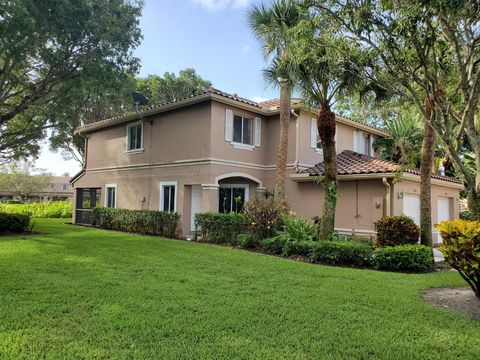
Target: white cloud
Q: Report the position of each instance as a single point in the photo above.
(258, 98)
(216, 5)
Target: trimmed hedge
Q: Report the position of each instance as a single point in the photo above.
(342, 253)
(220, 228)
(411, 258)
(138, 221)
(48, 209)
(14, 222)
(396, 230)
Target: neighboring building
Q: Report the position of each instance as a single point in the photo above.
(201, 153)
(59, 188)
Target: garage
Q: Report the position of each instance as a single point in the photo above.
(411, 207)
(443, 213)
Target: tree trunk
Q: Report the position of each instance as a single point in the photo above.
(285, 105)
(326, 130)
(428, 148)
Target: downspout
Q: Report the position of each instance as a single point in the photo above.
(389, 195)
(297, 138)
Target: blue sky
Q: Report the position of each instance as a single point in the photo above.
(211, 36)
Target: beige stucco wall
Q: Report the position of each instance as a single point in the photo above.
(176, 135)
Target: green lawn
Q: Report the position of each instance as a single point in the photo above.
(84, 293)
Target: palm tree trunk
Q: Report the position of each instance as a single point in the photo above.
(285, 105)
(326, 130)
(426, 163)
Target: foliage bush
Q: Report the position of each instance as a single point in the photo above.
(263, 216)
(299, 229)
(466, 215)
(273, 245)
(246, 241)
(461, 249)
(342, 253)
(396, 230)
(53, 209)
(335, 236)
(11, 222)
(138, 221)
(220, 228)
(410, 258)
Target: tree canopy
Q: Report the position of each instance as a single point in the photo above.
(48, 49)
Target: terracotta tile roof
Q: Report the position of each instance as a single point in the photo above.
(212, 90)
(352, 163)
(274, 104)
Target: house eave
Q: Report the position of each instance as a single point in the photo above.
(390, 175)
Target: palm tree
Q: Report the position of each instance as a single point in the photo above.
(272, 26)
(328, 66)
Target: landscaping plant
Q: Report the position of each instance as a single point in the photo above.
(396, 230)
(220, 228)
(14, 222)
(263, 215)
(139, 221)
(48, 209)
(411, 258)
(461, 249)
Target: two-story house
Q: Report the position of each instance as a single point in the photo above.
(214, 151)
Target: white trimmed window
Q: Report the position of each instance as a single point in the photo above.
(363, 143)
(242, 132)
(168, 196)
(135, 137)
(111, 195)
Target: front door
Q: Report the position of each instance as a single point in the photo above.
(196, 204)
(231, 197)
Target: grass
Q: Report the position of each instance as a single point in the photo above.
(77, 292)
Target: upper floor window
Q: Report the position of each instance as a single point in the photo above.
(135, 136)
(66, 186)
(363, 143)
(242, 131)
(52, 186)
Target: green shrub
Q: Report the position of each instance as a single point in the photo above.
(299, 229)
(335, 236)
(220, 228)
(409, 258)
(461, 249)
(467, 215)
(14, 222)
(54, 209)
(302, 248)
(274, 245)
(342, 253)
(263, 215)
(396, 230)
(138, 221)
(246, 241)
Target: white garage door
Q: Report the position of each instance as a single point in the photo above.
(443, 209)
(411, 207)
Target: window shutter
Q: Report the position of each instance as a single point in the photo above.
(372, 140)
(355, 140)
(258, 131)
(228, 125)
(313, 133)
(336, 142)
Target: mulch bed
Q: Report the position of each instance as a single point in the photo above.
(462, 300)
